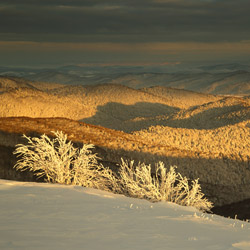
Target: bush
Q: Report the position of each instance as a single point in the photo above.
(58, 161)
(139, 182)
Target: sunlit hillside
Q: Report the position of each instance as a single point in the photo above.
(205, 136)
(101, 104)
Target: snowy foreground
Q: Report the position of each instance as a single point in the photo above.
(51, 216)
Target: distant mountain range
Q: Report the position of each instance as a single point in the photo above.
(223, 79)
(225, 67)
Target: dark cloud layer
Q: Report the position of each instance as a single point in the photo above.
(125, 21)
(46, 32)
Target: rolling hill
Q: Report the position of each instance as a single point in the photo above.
(206, 136)
(107, 104)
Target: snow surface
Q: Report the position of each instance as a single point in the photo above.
(52, 216)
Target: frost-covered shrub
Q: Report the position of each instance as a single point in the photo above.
(162, 186)
(60, 162)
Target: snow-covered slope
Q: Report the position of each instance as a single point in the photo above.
(52, 216)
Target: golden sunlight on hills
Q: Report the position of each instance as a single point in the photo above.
(206, 136)
(107, 105)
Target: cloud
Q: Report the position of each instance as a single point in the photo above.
(125, 21)
(157, 47)
(145, 64)
(109, 53)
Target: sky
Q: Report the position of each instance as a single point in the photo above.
(59, 32)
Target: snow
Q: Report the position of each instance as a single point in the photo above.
(53, 216)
